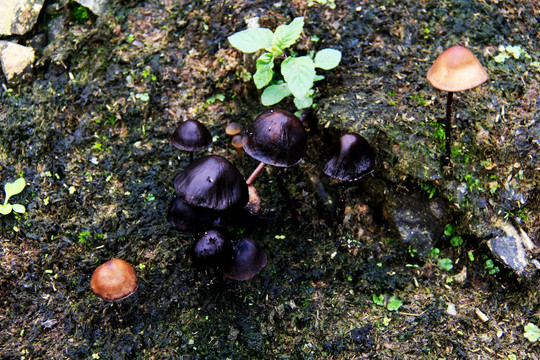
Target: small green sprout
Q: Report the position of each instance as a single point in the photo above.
(298, 72)
(532, 332)
(392, 303)
(12, 189)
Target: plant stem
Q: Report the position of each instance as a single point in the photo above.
(255, 173)
(448, 129)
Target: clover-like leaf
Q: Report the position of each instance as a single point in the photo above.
(252, 40)
(298, 73)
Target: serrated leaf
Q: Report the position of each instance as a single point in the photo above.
(5, 209)
(327, 59)
(265, 70)
(298, 73)
(18, 208)
(14, 188)
(251, 40)
(274, 94)
(286, 35)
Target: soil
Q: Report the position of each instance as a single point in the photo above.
(90, 134)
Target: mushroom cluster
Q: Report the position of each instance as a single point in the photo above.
(208, 192)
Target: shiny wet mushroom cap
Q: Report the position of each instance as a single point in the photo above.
(191, 135)
(276, 137)
(211, 182)
(189, 218)
(249, 259)
(212, 249)
(353, 158)
(114, 280)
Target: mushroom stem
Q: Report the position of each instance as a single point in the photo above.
(255, 173)
(448, 129)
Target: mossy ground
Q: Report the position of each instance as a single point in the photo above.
(91, 134)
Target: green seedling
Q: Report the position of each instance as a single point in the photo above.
(298, 72)
(532, 332)
(11, 189)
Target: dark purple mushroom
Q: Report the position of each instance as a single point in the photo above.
(354, 158)
(249, 259)
(191, 136)
(189, 218)
(276, 137)
(211, 182)
(212, 249)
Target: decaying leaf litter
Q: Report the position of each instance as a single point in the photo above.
(98, 118)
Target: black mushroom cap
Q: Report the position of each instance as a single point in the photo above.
(248, 260)
(212, 249)
(354, 157)
(276, 137)
(191, 135)
(211, 182)
(189, 218)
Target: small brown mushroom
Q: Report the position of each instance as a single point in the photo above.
(232, 129)
(191, 136)
(114, 280)
(456, 69)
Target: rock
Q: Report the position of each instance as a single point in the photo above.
(18, 16)
(98, 7)
(16, 60)
(419, 221)
(514, 248)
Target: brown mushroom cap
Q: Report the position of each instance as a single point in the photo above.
(191, 135)
(232, 129)
(456, 69)
(114, 280)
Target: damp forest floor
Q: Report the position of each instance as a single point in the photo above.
(90, 134)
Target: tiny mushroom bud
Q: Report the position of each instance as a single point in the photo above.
(191, 136)
(232, 129)
(114, 280)
(354, 157)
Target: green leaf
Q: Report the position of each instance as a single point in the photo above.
(14, 188)
(252, 40)
(378, 299)
(393, 303)
(274, 94)
(445, 264)
(5, 209)
(286, 35)
(327, 59)
(303, 103)
(265, 70)
(298, 74)
(532, 332)
(18, 208)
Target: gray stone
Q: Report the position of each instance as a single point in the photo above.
(17, 17)
(98, 7)
(419, 221)
(16, 60)
(514, 248)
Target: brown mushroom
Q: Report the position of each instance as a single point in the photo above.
(456, 69)
(114, 280)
